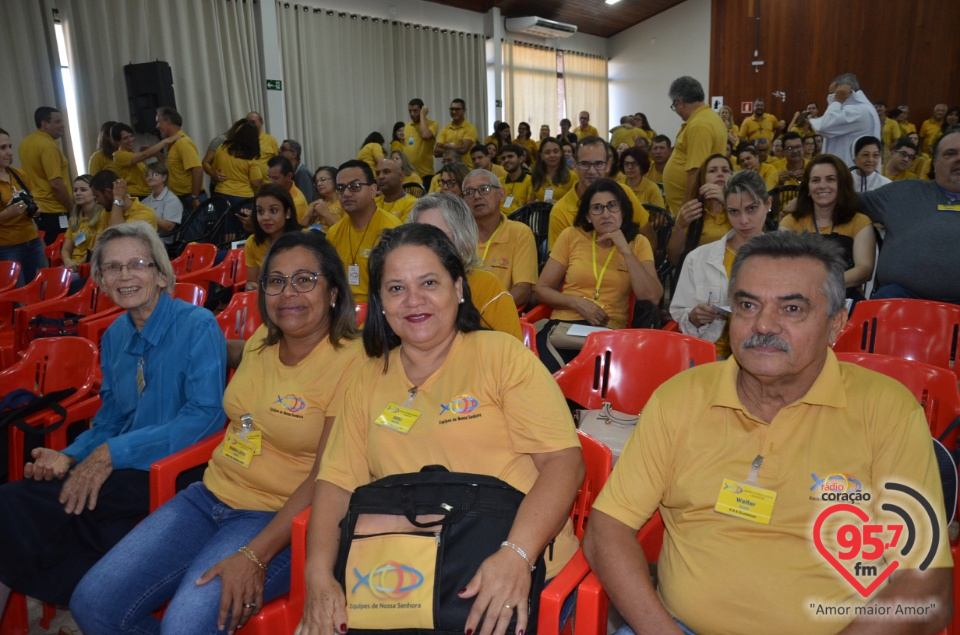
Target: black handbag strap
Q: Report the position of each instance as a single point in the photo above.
(17, 416)
(451, 513)
(950, 428)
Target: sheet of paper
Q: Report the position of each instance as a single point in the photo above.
(583, 330)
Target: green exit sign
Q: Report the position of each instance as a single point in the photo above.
(499, 103)
(274, 84)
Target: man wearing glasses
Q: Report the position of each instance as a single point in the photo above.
(506, 247)
(790, 167)
(593, 162)
(701, 135)
(459, 134)
(356, 234)
(903, 154)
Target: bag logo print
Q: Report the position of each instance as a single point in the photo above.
(407, 579)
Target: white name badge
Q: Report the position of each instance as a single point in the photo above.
(63, 221)
(353, 275)
(508, 202)
(548, 194)
(80, 238)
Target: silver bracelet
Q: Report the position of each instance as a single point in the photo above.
(523, 554)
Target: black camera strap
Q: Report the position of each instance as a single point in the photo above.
(19, 180)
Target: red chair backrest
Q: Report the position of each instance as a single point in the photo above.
(189, 292)
(52, 251)
(919, 330)
(361, 313)
(49, 284)
(529, 336)
(9, 274)
(195, 257)
(598, 460)
(224, 274)
(624, 367)
(935, 388)
(55, 363)
(92, 328)
(89, 301)
(241, 317)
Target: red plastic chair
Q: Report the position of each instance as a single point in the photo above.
(92, 327)
(9, 274)
(89, 301)
(52, 251)
(361, 313)
(935, 388)
(625, 367)
(189, 292)
(50, 283)
(241, 317)
(529, 336)
(224, 274)
(196, 257)
(920, 330)
(592, 601)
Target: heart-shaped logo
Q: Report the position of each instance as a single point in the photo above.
(818, 540)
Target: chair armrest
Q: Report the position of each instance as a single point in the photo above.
(537, 313)
(592, 607)
(555, 594)
(163, 473)
(298, 563)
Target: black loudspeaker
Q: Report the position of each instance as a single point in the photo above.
(149, 86)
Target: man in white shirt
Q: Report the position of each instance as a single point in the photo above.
(849, 116)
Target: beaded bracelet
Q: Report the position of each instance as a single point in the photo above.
(521, 552)
(252, 557)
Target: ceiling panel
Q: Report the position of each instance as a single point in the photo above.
(593, 17)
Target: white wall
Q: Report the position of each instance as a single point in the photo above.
(646, 58)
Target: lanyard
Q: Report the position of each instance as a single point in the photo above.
(593, 261)
(816, 228)
(953, 196)
(486, 249)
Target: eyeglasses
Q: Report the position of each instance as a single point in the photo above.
(113, 269)
(301, 281)
(483, 190)
(446, 184)
(611, 206)
(286, 149)
(630, 164)
(324, 179)
(353, 186)
(596, 165)
(673, 104)
(796, 148)
(906, 155)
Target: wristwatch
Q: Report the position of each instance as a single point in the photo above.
(119, 202)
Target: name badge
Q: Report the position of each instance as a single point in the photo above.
(397, 418)
(742, 500)
(63, 221)
(80, 238)
(410, 141)
(949, 208)
(238, 450)
(353, 275)
(509, 201)
(548, 194)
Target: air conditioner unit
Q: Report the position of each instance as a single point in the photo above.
(540, 27)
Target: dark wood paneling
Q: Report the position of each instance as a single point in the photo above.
(593, 17)
(902, 52)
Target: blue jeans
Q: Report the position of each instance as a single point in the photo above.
(626, 630)
(160, 560)
(30, 256)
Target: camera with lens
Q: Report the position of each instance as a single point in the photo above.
(24, 197)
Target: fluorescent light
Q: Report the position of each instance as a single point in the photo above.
(611, 1)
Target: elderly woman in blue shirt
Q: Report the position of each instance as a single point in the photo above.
(164, 366)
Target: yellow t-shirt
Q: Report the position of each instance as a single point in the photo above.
(647, 192)
(486, 410)
(558, 190)
(413, 178)
(420, 152)
(400, 207)
(354, 246)
(805, 224)
(289, 405)
(98, 161)
(906, 174)
(889, 132)
(42, 160)
(625, 135)
(498, 171)
(854, 430)
(88, 233)
(511, 253)
(269, 148)
(770, 174)
(299, 202)
(564, 212)
(781, 165)
(20, 228)
(456, 134)
(906, 128)
(137, 211)
(751, 129)
(701, 135)
(715, 227)
(654, 174)
(587, 131)
(929, 133)
(734, 129)
(134, 173)
(395, 145)
(574, 250)
(182, 158)
(532, 148)
(370, 154)
(239, 172)
(516, 193)
(253, 253)
(497, 309)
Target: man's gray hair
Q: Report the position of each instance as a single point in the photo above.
(787, 244)
(146, 235)
(849, 79)
(686, 89)
(491, 177)
(295, 147)
(458, 218)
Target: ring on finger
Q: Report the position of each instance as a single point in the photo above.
(249, 605)
(507, 606)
